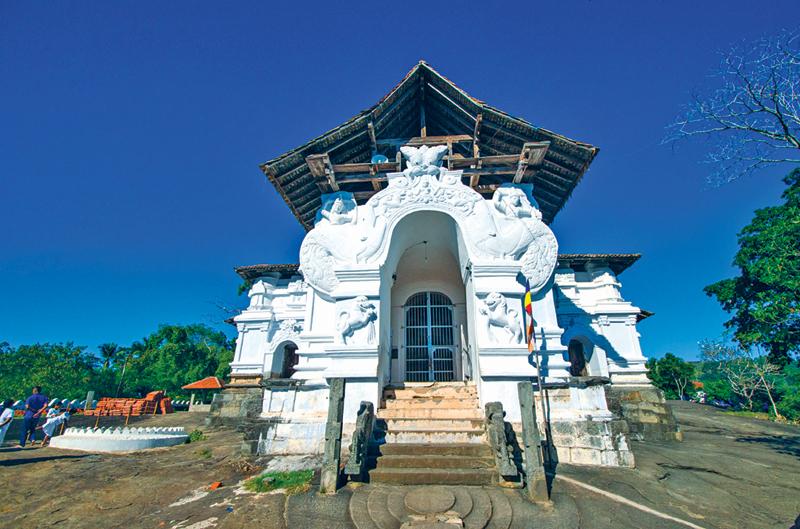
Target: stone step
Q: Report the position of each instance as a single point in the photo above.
(435, 436)
(431, 392)
(430, 413)
(434, 461)
(430, 403)
(453, 449)
(436, 425)
(432, 476)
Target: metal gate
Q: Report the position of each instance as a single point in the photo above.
(429, 338)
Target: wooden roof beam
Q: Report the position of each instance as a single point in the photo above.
(438, 140)
(453, 103)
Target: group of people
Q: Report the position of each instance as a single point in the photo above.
(36, 407)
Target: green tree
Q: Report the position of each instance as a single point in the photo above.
(176, 355)
(788, 389)
(764, 298)
(109, 353)
(671, 374)
(63, 370)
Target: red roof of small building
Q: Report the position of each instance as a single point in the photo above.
(206, 383)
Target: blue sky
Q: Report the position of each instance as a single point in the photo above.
(131, 133)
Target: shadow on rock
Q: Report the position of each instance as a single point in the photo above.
(27, 460)
(783, 444)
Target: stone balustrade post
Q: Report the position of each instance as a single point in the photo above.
(329, 479)
(535, 477)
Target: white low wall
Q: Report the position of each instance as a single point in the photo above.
(119, 439)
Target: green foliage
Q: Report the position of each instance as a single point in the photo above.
(174, 356)
(167, 359)
(672, 375)
(196, 435)
(789, 393)
(244, 286)
(764, 298)
(293, 482)
(63, 370)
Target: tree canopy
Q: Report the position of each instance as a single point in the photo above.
(764, 298)
(671, 374)
(752, 116)
(167, 359)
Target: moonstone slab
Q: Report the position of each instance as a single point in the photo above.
(430, 500)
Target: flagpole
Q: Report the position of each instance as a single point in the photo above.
(531, 331)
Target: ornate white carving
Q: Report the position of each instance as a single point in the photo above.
(423, 160)
(508, 227)
(260, 296)
(316, 262)
(285, 330)
(297, 290)
(498, 315)
(360, 314)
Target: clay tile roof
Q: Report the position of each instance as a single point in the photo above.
(447, 110)
(206, 383)
(284, 271)
(618, 262)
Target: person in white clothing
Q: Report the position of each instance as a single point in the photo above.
(53, 422)
(6, 416)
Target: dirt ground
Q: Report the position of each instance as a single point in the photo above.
(730, 472)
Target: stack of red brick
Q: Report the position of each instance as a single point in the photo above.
(153, 402)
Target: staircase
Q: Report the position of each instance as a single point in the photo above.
(434, 435)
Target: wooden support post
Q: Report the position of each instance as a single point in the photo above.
(449, 155)
(535, 477)
(476, 150)
(371, 131)
(423, 128)
(329, 480)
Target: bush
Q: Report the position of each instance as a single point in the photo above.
(196, 435)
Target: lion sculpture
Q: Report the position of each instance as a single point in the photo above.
(495, 308)
(361, 314)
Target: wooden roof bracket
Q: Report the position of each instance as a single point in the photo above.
(531, 157)
(322, 169)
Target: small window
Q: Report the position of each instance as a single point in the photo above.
(577, 359)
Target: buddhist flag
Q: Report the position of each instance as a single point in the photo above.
(530, 334)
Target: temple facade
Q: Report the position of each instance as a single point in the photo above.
(427, 216)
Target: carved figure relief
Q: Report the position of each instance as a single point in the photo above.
(260, 296)
(502, 323)
(361, 314)
(423, 160)
(338, 214)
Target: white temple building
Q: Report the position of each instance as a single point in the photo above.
(426, 216)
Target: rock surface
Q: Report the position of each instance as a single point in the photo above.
(730, 472)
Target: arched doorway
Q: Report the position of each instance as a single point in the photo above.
(424, 275)
(430, 338)
(577, 359)
(284, 360)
